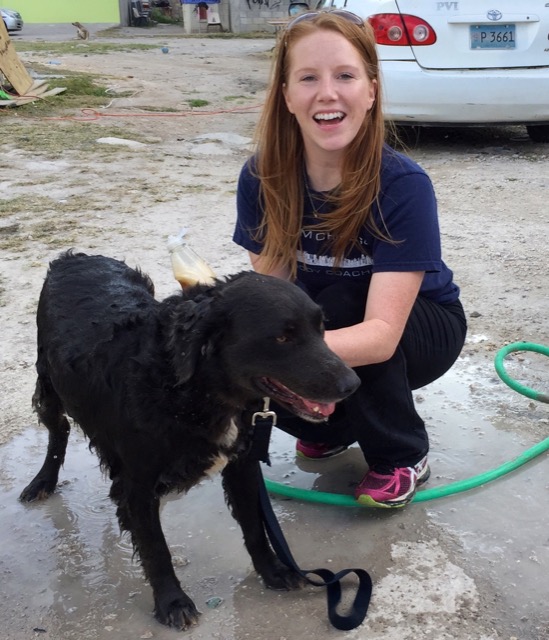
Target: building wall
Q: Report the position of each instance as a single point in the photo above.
(59, 11)
(254, 15)
(238, 16)
(192, 23)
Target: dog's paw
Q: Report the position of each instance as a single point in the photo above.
(38, 489)
(281, 578)
(179, 612)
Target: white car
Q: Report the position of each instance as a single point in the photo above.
(462, 62)
(12, 19)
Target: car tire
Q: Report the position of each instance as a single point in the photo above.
(538, 132)
(404, 137)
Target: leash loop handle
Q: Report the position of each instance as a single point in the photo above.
(328, 579)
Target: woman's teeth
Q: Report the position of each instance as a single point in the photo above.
(329, 116)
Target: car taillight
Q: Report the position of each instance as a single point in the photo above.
(401, 30)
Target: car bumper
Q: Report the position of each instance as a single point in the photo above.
(14, 25)
(490, 96)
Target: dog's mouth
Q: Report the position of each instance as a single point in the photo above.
(310, 410)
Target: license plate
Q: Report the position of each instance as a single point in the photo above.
(492, 36)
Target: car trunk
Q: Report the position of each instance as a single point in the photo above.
(509, 38)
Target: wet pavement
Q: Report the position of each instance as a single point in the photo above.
(469, 566)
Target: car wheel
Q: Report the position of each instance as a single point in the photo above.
(404, 137)
(539, 132)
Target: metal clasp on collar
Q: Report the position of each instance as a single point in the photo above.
(265, 413)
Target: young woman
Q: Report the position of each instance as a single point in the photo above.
(324, 202)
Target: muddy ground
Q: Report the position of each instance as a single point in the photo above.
(118, 181)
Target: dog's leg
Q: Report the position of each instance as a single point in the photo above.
(138, 513)
(241, 480)
(51, 414)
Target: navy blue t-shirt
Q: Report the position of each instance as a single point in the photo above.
(408, 204)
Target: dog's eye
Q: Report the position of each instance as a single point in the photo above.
(282, 339)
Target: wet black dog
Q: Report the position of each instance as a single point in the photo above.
(159, 389)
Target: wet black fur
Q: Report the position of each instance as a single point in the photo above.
(156, 386)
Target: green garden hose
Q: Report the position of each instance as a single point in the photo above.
(500, 369)
(309, 495)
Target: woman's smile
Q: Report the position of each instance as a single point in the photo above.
(333, 117)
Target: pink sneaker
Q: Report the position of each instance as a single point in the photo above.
(317, 450)
(385, 486)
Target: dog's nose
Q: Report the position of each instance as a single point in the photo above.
(348, 383)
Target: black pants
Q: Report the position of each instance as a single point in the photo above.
(380, 415)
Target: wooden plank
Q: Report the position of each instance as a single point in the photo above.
(31, 98)
(38, 89)
(38, 85)
(10, 64)
(26, 99)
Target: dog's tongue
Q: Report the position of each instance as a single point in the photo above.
(324, 409)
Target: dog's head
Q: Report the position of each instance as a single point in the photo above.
(255, 336)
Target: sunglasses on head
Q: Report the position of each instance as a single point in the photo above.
(310, 15)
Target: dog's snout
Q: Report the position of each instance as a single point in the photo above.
(348, 383)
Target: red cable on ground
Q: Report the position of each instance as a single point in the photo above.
(89, 114)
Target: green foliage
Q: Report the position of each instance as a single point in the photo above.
(197, 102)
(82, 90)
(157, 15)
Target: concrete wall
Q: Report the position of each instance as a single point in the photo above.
(247, 16)
(192, 23)
(239, 16)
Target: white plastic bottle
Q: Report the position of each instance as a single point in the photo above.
(188, 267)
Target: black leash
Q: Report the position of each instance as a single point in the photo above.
(265, 420)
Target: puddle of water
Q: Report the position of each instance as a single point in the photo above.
(501, 528)
(66, 569)
(67, 554)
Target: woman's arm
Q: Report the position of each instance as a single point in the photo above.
(391, 296)
(280, 272)
(390, 299)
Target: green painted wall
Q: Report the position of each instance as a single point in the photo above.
(55, 11)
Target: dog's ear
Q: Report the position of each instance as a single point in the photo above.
(190, 336)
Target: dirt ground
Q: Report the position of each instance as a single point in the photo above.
(118, 181)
